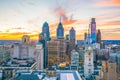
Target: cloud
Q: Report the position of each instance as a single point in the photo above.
(109, 14)
(61, 13)
(103, 3)
(111, 23)
(13, 36)
(17, 28)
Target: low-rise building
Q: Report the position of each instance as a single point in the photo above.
(108, 71)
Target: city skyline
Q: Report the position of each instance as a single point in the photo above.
(22, 17)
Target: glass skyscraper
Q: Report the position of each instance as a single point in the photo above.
(93, 30)
(72, 33)
(45, 30)
(60, 31)
(42, 39)
(98, 36)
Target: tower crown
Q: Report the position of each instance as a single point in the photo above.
(60, 31)
(45, 30)
(60, 26)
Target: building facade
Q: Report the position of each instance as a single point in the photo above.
(4, 53)
(42, 39)
(56, 51)
(72, 38)
(93, 30)
(60, 31)
(88, 57)
(74, 59)
(99, 36)
(24, 50)
(53, 52)
(108, 71)
(40, 56)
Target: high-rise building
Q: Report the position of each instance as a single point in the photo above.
(67, 43)
(45, 30)
(72, 34)
(74, 59)
(85, 35)
(72, 38)
(53, 52)
(93, 30)
(40, 57)
(98, 36)
(88, 57)
(42, 39)
(56, 51)
(60, 31)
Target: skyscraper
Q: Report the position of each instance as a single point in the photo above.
(45, 30)
(98, 36)
(40, 57)
(85, 35)
(88, 56)
(74, 59)
(93, 30)
(60, 31)
(56, 51)
(67, 37)
(72, 33)
(42, 39)
(72, 38)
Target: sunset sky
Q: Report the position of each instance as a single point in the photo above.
(19, 17)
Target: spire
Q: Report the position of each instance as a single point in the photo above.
(60, 19)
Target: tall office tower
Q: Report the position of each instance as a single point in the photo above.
(72, 34)
(93, 30)
(56, 51)
(42, 39)
(45, 30)
(62, 55)
(85, 35)
(53, 52)
(98, 36)
(60, 31)
(39, 56)
(74, 59)
(67, 43)
(72, 38)
(88, 57)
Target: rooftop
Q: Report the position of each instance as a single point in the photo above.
(69, 75)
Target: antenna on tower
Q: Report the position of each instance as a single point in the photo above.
(60, 18)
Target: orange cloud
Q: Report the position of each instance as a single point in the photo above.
(110, 23)
(62, 13)
(12, 36)
(103, 3)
